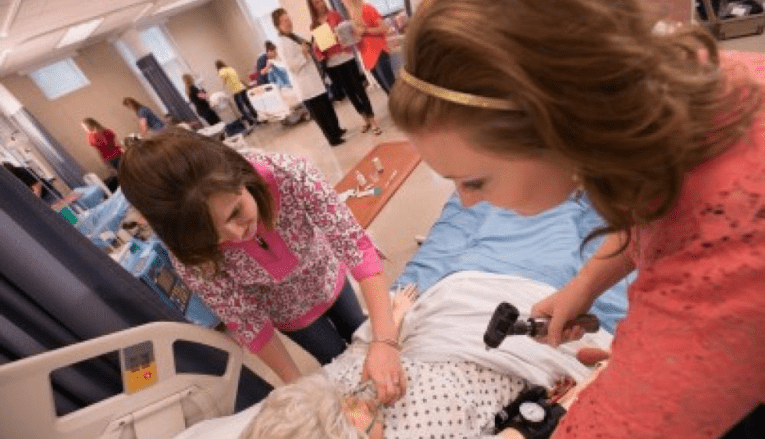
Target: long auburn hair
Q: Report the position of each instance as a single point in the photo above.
(132, 104)
(93, 125)
(188, 81)
(314, 14)
(169, 179)
(629, 110)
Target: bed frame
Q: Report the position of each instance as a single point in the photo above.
(160, 411)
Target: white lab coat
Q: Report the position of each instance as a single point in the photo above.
(304, 75)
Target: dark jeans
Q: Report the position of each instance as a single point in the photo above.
(323, 113)
(211, 116)
(115, 161)
(328, 336)
(383, 72)
(346, 75)
(245, 107)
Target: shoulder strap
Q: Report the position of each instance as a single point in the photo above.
(295, 38)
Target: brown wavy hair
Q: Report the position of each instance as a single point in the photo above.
(315, 14)
(169, 178)
(629, 110)
(132, 104)
(92, 124)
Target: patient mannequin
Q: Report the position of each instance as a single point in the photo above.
(313, 408)
(444, 399)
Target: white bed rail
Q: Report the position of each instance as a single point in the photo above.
(27, 408)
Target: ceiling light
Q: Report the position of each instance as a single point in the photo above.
(174, 5)
(13, 9)
(77, 33)
(143, 12)
(3, 55)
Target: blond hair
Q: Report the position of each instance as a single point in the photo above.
(355, 9)
(310, 408)
(629, 110)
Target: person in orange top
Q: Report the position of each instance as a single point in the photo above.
(104, 140)
(373, 47)
(665, 136)
(341, 65)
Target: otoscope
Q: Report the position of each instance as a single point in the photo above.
(505, 322)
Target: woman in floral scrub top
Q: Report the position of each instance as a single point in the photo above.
(267, 243)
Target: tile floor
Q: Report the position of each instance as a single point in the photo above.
(412, 210)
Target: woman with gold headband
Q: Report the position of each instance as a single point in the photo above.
(523, 102)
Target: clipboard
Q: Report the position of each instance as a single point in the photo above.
(324, 37)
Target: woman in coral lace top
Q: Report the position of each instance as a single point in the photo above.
(520, 102)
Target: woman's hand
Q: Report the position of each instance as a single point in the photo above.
(383, 367)
(359, 29)
(306, 50)
(562, 307)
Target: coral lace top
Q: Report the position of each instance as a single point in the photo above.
(688, 360)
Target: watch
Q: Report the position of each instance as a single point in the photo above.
(532, 412)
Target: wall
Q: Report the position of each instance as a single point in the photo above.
(110, 81)
(245, 40)
(301, 18)
(216, 30)
(672, 10)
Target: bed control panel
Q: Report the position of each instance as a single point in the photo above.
(139, 367)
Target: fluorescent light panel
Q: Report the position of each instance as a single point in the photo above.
(3, 56)
(12, 11)
(174, 5)
(79, 32)
(143, 12)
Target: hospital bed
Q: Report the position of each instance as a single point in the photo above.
(276, 104)
(165, 405)
(544, 249)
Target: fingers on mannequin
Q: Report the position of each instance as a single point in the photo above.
(577, 332)
(590, 356)
(388, 394)
(555, 332)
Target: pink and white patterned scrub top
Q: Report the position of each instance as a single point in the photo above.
(299, 276)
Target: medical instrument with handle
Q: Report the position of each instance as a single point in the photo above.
(505, 322)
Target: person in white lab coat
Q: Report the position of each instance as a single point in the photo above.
(307, 81)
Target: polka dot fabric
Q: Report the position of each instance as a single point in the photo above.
(443, 400)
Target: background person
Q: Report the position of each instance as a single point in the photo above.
(199, 99)
(234, 84)
(297, 54)
(341, 65)
(148, 122)
(373, 46)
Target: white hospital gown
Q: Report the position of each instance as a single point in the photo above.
(443, 400)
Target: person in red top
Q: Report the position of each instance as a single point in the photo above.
(373, 47)
(341, 65)
(104, 140)
(522, 102)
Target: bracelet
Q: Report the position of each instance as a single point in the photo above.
(390, 342)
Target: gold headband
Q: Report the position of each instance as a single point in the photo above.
(457, 96)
